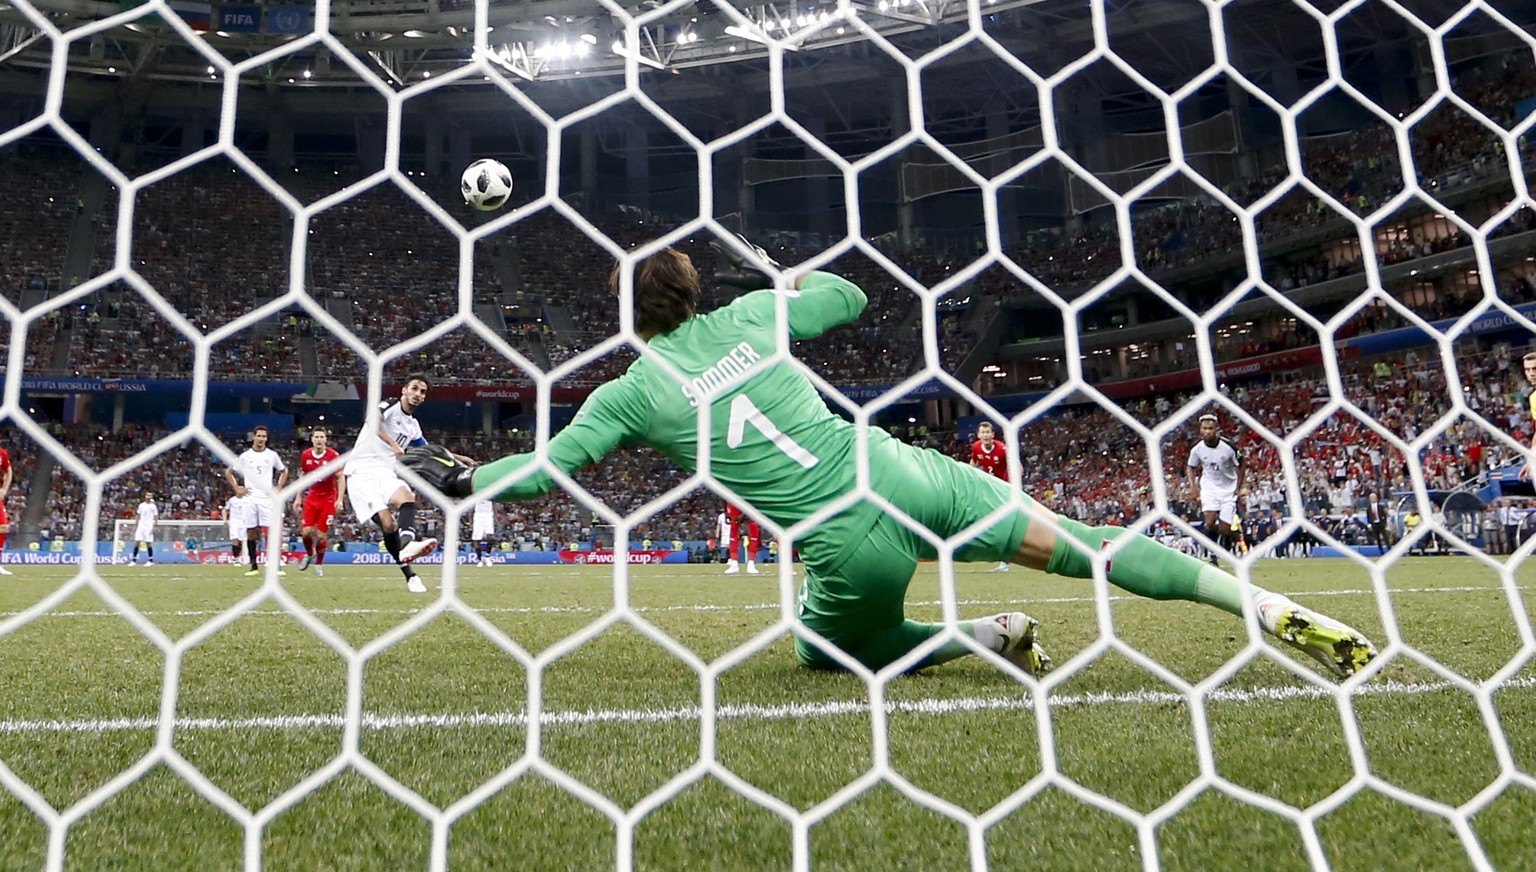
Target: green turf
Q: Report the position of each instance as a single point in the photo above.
(263, 702)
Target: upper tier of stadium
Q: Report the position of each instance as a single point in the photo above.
(215, 244)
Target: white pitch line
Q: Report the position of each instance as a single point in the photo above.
(706, 607)
(793, 711)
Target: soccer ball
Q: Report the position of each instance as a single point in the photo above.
(486, 184)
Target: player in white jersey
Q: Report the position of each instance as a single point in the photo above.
(376, 492)
(262, 472)
(723, 532)
(483, 529)
(144, 530)
(237, 511)
(1216, 487)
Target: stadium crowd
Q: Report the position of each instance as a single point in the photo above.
(41, 203)
(1082, 461)
(400, 276)
(1359, 168)
(1086, 463)
(215, 246)
(189, 484)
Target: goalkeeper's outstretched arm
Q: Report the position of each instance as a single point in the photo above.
(823, 301)
(818, 302)
(619, 412)
(611, 416)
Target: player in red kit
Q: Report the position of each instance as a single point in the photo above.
(322, 501)
(990, 456)
(734, 516)
(6, 472)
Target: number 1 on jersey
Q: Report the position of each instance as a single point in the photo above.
(744, 412)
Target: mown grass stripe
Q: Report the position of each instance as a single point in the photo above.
(707, 607)
(791, 711)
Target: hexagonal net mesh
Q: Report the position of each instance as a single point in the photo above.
(1155, 437)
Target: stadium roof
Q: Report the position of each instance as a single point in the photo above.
(566, 53)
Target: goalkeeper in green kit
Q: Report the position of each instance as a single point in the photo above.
(774, 442)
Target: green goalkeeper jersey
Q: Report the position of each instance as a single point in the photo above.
(772, 438)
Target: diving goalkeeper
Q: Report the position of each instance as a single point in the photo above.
(775, 443)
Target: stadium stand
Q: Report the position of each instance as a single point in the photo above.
(390, 286)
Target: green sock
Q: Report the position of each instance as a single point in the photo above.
(886, 646)
(983, 630)
(1147, 568)
(1215, 586)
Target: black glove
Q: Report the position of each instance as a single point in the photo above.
(438, 467)
(747, 273)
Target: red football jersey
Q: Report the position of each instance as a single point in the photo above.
(5, 464)
(325, 488)
(994, 462)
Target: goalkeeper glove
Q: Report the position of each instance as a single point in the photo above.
(747, 273)
(438, 467)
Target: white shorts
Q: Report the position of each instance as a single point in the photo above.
(144, 533)
(239, 520)
(483, 528)
(1223, 503)
(262, 512)
(369, 490)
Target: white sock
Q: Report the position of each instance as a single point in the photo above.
(1271, 603)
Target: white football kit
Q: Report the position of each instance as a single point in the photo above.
(1218, 477)
(485, 521)
(370, 469)
(144, 530)
(238, 512)
(260, 469)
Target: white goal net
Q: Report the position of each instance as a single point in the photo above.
(1087, 223)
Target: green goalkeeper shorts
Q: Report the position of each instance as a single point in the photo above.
(866, 592)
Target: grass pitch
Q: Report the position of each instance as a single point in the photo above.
(947, 775)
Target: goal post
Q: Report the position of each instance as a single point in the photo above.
(172, 538)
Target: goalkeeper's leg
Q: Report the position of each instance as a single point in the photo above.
(1149, 569)
(948, 497)
(1011, 634)
(858, 606)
